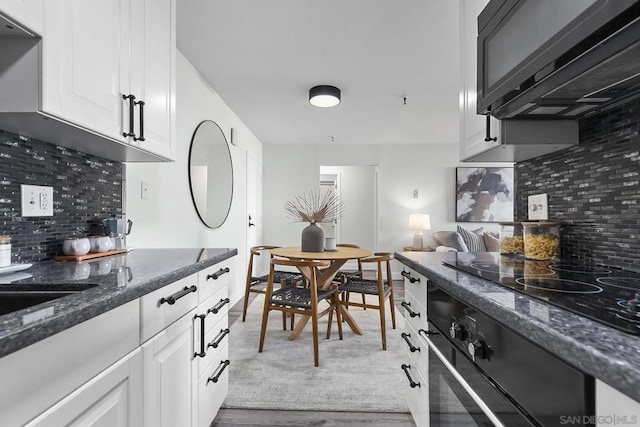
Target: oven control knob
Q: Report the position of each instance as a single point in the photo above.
(479, 350)
(633, 305)
(458, 332)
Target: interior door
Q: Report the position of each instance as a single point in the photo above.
(254, 211)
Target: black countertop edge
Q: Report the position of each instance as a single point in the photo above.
(69, 311)
(596, 349)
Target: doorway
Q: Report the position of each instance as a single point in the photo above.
(357, 187)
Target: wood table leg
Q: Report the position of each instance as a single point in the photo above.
(351, 321)
(299, 327)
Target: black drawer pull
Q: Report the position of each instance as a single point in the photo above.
(218, 273)
(202, 352)
(175, 297)
(216, 376)
(412, 383)
(408, 276)
(488, 136)
(131, 99)
(428, 333)
(216, 308)
(141, 104)
(407, 305)
(411, 346)
(216, 342)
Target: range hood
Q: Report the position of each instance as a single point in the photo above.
(549, 59)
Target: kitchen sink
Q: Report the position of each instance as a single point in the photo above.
(17, 297)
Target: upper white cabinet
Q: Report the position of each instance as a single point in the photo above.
(25, 13)
(109, 66)
(101, 80)
(474, 137)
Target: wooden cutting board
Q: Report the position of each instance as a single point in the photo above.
(89, 255)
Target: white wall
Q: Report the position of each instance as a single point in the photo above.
(290, 170)
(167, 219)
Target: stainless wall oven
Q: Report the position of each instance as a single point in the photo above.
(482, 373)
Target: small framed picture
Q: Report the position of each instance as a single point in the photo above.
(484, 194)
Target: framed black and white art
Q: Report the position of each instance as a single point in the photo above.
(484, 194)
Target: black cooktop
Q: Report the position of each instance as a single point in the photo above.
(604, 294)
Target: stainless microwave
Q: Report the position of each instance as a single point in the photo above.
(557, 59)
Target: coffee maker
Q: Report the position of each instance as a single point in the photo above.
(115, 228)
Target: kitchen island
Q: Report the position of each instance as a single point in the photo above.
(609, 355)
(134, 343)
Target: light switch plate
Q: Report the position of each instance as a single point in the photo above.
(538, 207)
(36, 200)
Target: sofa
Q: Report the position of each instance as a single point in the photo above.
(464, 240)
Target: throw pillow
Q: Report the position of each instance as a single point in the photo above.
(451, 239)
(473, 239)
(491, 242)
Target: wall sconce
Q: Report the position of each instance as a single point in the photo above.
(418, 222)
(324, 96)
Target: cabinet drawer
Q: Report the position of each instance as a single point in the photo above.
(216, 336)
(417, 397)
(164, 306)
(420, 354)
(415, 285)
(414, 313)
(213, 387)
(212, 279)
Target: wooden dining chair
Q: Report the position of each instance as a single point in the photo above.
(382, 287)
(342, 275)
(257, 284)
(300, 299)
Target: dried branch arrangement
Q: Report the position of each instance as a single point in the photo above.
(314, 207)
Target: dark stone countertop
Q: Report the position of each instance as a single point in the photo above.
(598, 350)
(119, 279)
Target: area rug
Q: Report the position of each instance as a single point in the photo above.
(355, 374)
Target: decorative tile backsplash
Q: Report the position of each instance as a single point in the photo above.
(86, 189)
(594, 189)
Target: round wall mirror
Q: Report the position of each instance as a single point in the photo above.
(210, 174)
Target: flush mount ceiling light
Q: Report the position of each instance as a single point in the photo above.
(324, 96)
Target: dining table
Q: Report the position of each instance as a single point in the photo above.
(324, 277)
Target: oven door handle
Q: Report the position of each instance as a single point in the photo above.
(483, 406)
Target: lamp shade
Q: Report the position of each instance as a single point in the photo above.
(324, 96)
(419, 222)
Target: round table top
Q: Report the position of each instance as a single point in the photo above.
(340, 253)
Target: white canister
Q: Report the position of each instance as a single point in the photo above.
(76, 246)
(5, 251)
(99, 243)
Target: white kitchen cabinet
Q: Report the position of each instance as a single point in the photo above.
(167, 360)
(113, 398)
(614, 407)
(97, 52)
(25, 13)
(415, 361)
(473, 126)
(59, 365)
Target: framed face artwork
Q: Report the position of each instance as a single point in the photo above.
(484, 194)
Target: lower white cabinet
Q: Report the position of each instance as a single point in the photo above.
(113, 398)
(167, 359)
(415, 361)
(614, 408)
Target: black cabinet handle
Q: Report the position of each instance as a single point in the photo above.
(216, 308)
(412, 383)
(218, 273)
(202, 352)
(488, 136)
(428, 333)
(216, 342)
(141, 105)
(407, 306)
(131, 99)
(216, 376)
(408, 276)
(406, 337)
(175, 297)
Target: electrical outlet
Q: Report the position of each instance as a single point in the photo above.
(36, 200)
(538, 207)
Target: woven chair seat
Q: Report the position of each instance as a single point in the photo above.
(340, 275)
(293, 296)
(278, 276)
(363, 286)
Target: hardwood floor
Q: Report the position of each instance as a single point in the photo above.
(254, 417)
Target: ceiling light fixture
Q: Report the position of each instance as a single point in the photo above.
(324, 96)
